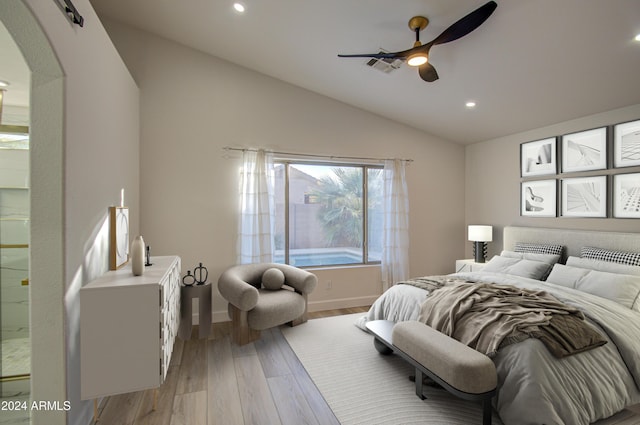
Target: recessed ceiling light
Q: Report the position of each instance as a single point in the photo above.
(4, 83)
(239, 7)
(637, 37)
(470, 104)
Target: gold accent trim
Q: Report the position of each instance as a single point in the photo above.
(14, 129)
(14, 245)
(25, 282)
(12, 378)
(418, 22)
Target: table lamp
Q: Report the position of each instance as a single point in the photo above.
(479, 235)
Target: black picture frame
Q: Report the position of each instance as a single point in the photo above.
(538, 198)
(584, 197)
(539, 157)
(584, 150)
(626, 195)
(626, 144)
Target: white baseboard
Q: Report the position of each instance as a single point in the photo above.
(220, 316)
(342, 303)
(223, 316)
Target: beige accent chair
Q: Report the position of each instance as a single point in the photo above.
(253, 308)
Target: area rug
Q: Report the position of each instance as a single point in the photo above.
(363, 387)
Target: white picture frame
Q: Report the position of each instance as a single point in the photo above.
(626, 195)
(626, 144)
(584, 150)
(538, 157)
(584, 197)
(538, 198)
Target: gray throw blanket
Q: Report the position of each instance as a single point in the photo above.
(487, 317)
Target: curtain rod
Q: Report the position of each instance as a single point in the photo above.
(353, 158)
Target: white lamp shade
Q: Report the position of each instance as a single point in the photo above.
(480, 233)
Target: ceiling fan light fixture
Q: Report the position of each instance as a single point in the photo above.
(417, 59)
(418, 56)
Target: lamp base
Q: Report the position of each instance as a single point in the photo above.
(479, 251)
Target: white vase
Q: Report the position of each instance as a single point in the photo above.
(137, 256)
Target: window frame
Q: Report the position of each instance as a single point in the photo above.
(287, 163)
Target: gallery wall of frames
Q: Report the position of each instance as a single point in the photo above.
(590, 173)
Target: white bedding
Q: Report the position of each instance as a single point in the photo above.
(533, 386)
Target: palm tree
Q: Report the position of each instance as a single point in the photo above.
(341, 212)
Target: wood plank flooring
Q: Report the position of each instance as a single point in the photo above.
(216, 382)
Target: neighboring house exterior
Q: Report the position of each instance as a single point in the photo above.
(305, 229)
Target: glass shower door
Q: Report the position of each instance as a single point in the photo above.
(15, 364)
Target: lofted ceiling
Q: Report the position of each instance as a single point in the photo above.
(532, 63)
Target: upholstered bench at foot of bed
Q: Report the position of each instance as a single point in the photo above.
(460, 369)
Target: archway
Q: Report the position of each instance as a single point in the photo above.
(46, 274)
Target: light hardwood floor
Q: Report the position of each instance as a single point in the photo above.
(216, 382)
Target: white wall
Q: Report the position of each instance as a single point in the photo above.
(193, 104)
(493, 180)
(84, 133)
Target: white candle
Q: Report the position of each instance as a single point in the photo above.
(122, 197)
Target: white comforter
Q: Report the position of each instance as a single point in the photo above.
(533, 386)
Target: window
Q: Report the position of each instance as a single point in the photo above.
(321, 218)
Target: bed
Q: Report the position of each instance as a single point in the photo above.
(534, 386)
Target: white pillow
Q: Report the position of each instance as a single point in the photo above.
(518, 267)
(603, 266)
(545, 258)
(621, 288)
(566, 276)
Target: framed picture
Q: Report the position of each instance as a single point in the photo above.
(118, 237)
(585, 150)
(626, 195)
(538, 198)
(626, 144)
(538, 158)
(584, 197)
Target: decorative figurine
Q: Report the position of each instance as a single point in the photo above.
(148, 260)
(201, 274)
(189, 279)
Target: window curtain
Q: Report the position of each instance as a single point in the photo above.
(395, 241)
(255, 233)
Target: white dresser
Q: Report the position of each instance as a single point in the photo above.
(128, 326)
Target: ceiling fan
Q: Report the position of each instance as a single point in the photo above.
(418, 55)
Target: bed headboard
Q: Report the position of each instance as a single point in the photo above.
(573, 240)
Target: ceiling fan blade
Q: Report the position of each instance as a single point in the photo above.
(428, 72)
(467, 24)
(390, 55)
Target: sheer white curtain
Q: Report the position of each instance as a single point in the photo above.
(395, 241)
(255, 232)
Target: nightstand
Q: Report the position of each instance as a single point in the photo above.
(468, 266)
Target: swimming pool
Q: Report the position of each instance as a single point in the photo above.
(309, 259)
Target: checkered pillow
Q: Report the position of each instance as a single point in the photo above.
(620, 257)
(539, 248)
